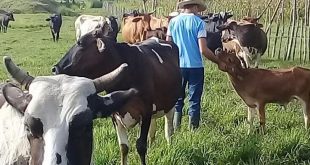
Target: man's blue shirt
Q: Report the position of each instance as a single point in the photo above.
(185, 30)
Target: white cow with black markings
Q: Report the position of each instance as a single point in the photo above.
(87, 23)
(52, 123)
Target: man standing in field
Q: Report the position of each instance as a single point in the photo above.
(188, 32)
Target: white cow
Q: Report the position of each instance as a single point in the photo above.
(52, 123)
(87, 23)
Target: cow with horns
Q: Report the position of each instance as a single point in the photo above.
(52, 123)
(153, 69)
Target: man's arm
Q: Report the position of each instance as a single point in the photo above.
(206, 51)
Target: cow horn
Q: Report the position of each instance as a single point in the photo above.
(17, 74)
(107, 81)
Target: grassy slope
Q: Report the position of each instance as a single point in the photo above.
(222, 137)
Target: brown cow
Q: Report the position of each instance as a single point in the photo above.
(134, 28)
(257, 87)
(156, 23)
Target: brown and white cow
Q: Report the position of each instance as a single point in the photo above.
(153, 69)
(257, 87)
(252, 39)
(52, 122)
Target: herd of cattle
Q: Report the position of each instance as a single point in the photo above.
(53, 116)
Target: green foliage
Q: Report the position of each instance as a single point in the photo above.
(96, 4)
(220, 140)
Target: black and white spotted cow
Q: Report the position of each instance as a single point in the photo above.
(153, 70)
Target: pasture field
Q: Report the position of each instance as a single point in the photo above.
(222, 137)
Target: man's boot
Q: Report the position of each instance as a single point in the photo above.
(193, 123)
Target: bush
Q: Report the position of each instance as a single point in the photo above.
(96, 4)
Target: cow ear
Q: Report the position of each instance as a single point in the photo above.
(100, 45)
(136, 19)
(16, 97)
(47, 19)
(113, 102)
(229, 16)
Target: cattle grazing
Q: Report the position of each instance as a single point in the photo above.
(87, 23)
(4, 21)
(252, 40)
(112, 34)
(153, 69)
(159, 33)
(52, 123)
(55, 22)
(213, 34)
(257, 87)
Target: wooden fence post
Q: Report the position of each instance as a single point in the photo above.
(282, 31)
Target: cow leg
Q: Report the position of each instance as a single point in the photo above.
(306, 110)
(122, 141)
(262, 117)
(169, 124)
(251, 115)
(141, 143)
(57, 36)
(53, 35)
(152, 131)
(5, 29)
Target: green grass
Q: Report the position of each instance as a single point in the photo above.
(221, 138)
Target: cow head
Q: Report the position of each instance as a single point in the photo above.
(91, 50)
(229, 62)
(252, 20)
(58, 113)
(54, 18)
(11, 16)
(216, 19)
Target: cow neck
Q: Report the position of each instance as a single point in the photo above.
(239, 78)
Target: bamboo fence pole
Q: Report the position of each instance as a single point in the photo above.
(288, 35)
(304, 34)
(276, 36)
(301, 39)
(269, 33)
(273, 16)
(282, 30)
(289, 51)
(295, 35)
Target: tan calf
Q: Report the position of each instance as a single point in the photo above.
(257, 87)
